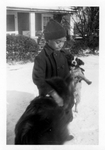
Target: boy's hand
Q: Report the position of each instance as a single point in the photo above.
(57, 98)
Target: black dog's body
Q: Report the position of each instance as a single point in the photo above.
(44, 122)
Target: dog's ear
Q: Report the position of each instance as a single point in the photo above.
(25, 134)
(79, 62)
(22, 135)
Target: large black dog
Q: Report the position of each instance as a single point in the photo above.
(44, 121)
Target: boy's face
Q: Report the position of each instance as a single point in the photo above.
(57, 44)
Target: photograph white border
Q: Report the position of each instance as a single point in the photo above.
(3, 5)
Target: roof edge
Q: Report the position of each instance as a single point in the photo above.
(39, 9)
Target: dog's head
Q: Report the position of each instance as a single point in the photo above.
(64, 88)
(76, 62)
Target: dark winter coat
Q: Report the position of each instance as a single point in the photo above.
(49, 63)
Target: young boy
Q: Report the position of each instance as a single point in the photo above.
(51, 61)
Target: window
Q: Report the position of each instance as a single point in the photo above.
(10, 22)
(45, 20)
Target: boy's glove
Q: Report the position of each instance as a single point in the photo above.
(56, 97)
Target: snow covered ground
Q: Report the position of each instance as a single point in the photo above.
(21, 90)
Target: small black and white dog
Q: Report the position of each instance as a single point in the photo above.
(44, 121)
(75, 64)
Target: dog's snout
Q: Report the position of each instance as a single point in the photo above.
(74, 62)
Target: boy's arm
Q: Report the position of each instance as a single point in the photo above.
(38, 75)
(39, 79)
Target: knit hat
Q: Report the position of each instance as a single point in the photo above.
(54, 30)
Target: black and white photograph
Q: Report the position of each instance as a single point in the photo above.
(52, 75)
